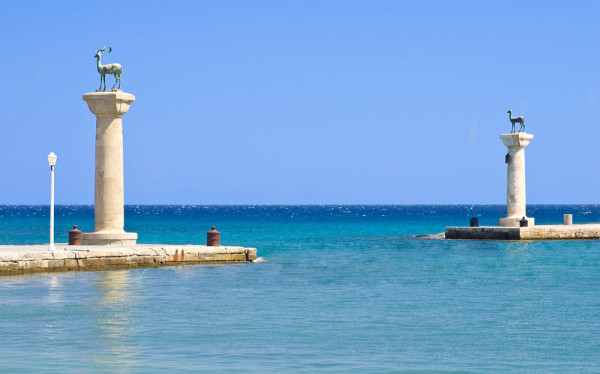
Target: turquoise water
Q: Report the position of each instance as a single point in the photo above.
(344, 289)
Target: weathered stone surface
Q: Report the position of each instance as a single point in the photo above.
(10, 257)
(251, 254)
(6, 266)
(235, 257)
(432, 236)
(54, 264)
(515, 179)
(38, 258)
(33, 256)
(109, 108)
(61, 255)
(540, 232)
(109, 239)
(483, 232)
(568, 219)
(34, 264)
(143, 260)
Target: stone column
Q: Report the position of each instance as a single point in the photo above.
(515, 186)
(109, 108)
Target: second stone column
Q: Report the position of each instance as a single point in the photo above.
(515, 183)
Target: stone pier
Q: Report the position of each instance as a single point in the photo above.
(15, 259)
(515, 183)
(109, 108)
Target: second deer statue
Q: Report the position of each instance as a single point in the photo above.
(514, 120)
(114, 69)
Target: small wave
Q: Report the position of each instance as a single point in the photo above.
(260, 259)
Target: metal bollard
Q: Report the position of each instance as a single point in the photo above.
(568, 219)
(213, 238)
(474, 222)
(74, 236)
(523, 222)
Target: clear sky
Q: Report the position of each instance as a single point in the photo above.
(304, 102)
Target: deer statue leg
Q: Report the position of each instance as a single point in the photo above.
(116, 80)
(100, 83)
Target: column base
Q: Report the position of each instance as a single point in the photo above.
(109, 238)
(515, 221)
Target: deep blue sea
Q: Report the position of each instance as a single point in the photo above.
(343, 289)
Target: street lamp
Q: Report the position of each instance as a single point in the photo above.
(52, 162)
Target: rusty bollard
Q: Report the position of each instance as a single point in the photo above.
(213, 238)
(474, 222)
(74, 236)
(523, 222)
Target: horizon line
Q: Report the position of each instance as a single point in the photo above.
(303, 204)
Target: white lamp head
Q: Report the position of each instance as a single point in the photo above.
(52, 159)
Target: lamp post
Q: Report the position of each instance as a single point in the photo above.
(52, 162)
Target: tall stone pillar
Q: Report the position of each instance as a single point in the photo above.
(515, 186)
(109, 108)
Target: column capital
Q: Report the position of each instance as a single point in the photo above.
(516, 139)
(109, 103)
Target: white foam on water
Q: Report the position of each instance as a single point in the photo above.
(260, 259)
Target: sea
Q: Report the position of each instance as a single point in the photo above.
(338, 289)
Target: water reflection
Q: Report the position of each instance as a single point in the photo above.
(114, 343)
(515, 248)
(53, 329)
(55, 289)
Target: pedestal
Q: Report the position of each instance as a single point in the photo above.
(109, 108)
(515, 183)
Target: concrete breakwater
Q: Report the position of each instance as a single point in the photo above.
(538, 232)
(36, 258)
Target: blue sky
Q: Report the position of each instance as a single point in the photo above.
(299, 102)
